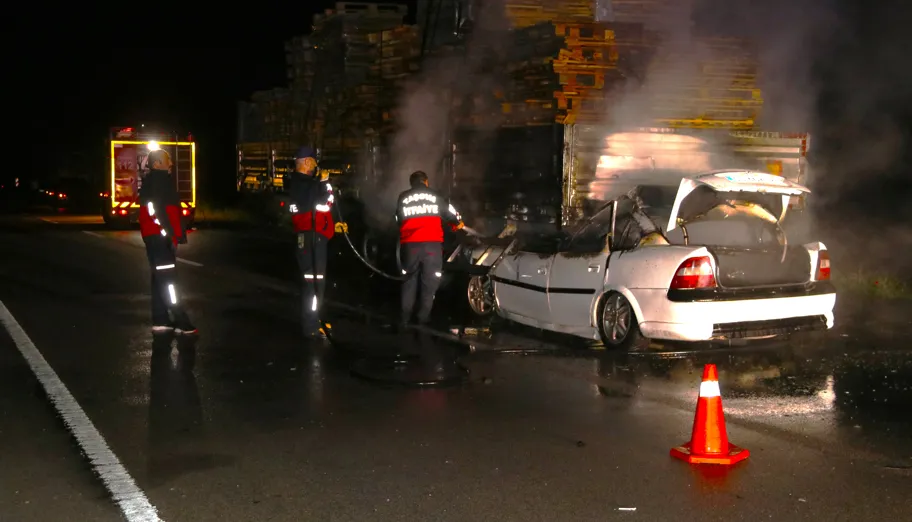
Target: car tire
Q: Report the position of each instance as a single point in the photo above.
(618, 325)
(480, 295)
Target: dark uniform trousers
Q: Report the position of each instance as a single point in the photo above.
(423, 264)
(165, 295)
(311, 254)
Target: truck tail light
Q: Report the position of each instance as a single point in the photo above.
(696, 272)
(823, 266)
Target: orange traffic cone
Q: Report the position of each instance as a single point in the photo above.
(709, 441)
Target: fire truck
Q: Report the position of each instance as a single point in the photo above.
(129, 149)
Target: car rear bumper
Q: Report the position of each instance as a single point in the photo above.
(732, 319)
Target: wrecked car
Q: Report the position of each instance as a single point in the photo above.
(674, 258)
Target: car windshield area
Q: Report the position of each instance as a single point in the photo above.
(655, 201)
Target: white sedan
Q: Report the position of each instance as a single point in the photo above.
(684, 259)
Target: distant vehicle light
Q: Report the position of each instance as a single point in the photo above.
(153, 145)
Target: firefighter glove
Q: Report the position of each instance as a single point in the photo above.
(342, 227)
(458, 226)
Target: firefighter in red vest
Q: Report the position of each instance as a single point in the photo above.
(311, 205)
(161, 229)
(421, 213)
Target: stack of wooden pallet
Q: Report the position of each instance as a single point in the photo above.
(272, 107)
(658, 15)
(337, 72)
(562, 71)
(704, 83)
(526, 13)
(359, 110)
(573, 72)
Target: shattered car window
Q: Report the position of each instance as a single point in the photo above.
(593, 233)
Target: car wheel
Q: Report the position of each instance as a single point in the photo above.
(618, 324)
(481, 295)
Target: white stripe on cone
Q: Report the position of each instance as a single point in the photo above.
(710, 389)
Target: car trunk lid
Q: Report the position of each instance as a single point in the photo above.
(718, 196)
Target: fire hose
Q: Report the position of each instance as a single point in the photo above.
(405, 274)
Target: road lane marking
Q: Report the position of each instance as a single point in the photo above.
(188, 262)
(72, 220)
(179, 259)
(131, 500)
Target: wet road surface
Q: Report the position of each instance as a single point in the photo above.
(252, 423)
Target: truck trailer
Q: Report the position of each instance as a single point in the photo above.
(129, 148)
(554, 174)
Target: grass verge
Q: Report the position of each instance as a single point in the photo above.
(213, 214)
(872, 284)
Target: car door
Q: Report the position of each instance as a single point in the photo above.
(534, 268)
(520, 283)
(578, 275)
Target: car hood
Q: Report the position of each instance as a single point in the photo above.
(760, 194)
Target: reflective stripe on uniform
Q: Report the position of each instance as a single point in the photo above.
(173, 293)
(311, 276)
(164, 267)
(438, 274)
(314, 305)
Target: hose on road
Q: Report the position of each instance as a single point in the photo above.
(405, 275)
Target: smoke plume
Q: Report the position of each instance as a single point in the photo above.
(448, 79)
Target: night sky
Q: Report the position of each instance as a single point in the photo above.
(74, 74)
(183, 72)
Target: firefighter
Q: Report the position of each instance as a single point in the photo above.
(311, 206)
(420, 213)
(161, 229)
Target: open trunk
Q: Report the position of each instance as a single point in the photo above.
(741, 267)
(736, 215)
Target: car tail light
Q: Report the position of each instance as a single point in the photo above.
(823, 266)
(696, 272)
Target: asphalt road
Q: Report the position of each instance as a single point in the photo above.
(251, 423)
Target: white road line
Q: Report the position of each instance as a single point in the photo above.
(188, 262)
(179, 259)
(131, 500)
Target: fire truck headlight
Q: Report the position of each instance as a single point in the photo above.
(153, 145)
